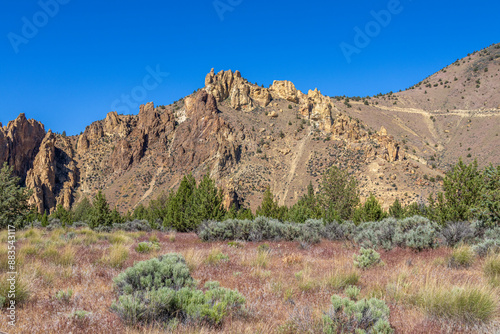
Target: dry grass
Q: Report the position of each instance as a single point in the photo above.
(286, 287)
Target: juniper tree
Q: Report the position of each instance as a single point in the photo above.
(462, 191)
(306, 207)
(65, 216)
(179, 212)
(339, 194)
(208, 201)
(100, 214)
(370, 211)
(14, 207)
(270, 208)
(488, 208)
(82, 211)
(396, 210)
(115, 217)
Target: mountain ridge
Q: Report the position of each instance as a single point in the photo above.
(249, 137)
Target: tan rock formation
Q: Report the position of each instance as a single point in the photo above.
(19, 142)
(54, 175)
(42, 177)
(285, 90)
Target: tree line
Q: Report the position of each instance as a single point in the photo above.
(469, 193)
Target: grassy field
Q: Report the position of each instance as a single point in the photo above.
(66, 282)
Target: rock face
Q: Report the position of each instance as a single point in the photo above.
(205, 136)
(54, 175)
(243, 135)
(314, 106)
(243, 95)
(19, 142)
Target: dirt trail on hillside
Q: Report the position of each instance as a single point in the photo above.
(293, 166)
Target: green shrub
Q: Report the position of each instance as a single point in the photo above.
(165, 271)
(261, 228)
(352, 292)
(215, 257)
(469, 304)
(343, 279)
(235, 244)
(455, 233)
(377, 234)
(364, 316)
(339, 231)
(487, 246)
(462, 257)
(416, 232)
(367, 258)
(491, 269)
(80, 314)
(21, 288)
(64, 296)
(146, 247)
(162, 290)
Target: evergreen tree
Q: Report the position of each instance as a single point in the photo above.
(370, 211)
(307, 207)
(269, 208)
(488, 209)
(242, 213)
(65, 216)
(45, 219)
(179, 213)
(14, 207)
(157, 209)
(82, 211)
(463, 188)
(100, 214)
(338, 195)
(396, 210)
(208, 201)
(245, 213)
(115, 217)
(140, 213)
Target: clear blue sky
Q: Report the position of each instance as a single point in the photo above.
(80, 60)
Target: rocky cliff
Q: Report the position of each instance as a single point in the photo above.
(245, 136)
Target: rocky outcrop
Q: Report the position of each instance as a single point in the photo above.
(19, 142)
(286, 90)
(152, 127)
(317, 107)
(42, 177)
(112, 125)
(203, 137)
(242, 94)
(54, 175)
(391, 149)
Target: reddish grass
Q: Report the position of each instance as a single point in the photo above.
(273, 292)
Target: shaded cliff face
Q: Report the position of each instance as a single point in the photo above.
(246, 137)
(19, 143)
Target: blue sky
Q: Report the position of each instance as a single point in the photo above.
(81, 57)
